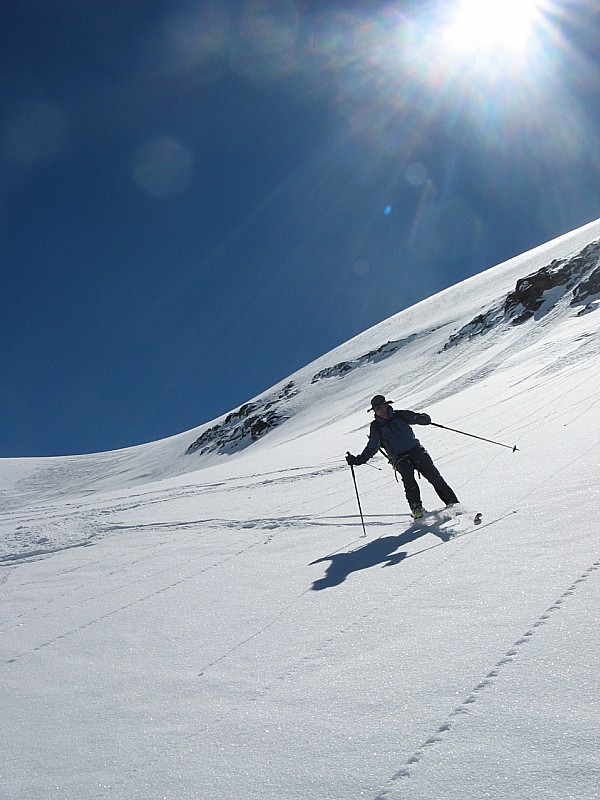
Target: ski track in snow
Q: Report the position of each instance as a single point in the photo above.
(508, 658)
(51, 534)
(420, 529)
(290, 673)
(124, 607)
(150, 551)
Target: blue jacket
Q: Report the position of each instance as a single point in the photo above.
(393, 434)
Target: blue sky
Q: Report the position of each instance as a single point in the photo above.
(199, 198)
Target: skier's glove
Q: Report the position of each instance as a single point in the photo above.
(424, 419)
(351, 460)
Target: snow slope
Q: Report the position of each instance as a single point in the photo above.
(202, 616)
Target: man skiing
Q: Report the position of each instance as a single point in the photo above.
(391, 430)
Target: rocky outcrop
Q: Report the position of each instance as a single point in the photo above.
(576, 279)
(385, 351)
(244, 426)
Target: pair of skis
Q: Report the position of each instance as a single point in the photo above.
(476, 520)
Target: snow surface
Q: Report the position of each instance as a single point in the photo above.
(216, 626)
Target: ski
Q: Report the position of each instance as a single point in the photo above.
(447, 514)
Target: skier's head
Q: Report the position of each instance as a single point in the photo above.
(379, 403)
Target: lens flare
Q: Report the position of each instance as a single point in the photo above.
(266, 48)
(192, 41)
(162, 167)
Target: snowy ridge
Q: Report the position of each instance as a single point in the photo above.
(574, 279)
(215, 624)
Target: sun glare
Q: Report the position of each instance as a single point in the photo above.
(488, 26)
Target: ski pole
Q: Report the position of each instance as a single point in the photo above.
(362, 519)
(483, 439)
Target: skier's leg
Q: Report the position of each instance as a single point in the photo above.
(411, 487)
(422, 461)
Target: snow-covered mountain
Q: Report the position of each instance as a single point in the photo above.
(202, 617)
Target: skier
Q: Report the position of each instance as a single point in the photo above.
(391, 430)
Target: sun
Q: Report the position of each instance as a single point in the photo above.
(491, 26)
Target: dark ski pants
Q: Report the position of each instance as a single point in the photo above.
(419, 459)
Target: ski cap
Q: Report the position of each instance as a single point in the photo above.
(379, 400)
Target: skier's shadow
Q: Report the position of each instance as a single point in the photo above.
(379, 551)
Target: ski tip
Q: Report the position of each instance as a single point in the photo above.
(477, 519)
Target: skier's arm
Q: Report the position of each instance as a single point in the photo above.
(372, 447)
(414, 418)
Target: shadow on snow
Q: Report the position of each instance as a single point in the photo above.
(379, 551)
